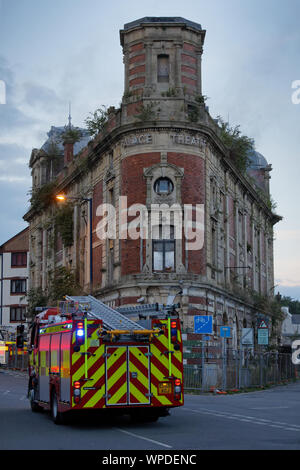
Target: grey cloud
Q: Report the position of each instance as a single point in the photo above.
(42, 96)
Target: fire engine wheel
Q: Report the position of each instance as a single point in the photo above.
(56, 416)
(34, 406)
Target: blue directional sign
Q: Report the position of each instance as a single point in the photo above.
(203, 324)
(225, 331)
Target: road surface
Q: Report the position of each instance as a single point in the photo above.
(268, 419)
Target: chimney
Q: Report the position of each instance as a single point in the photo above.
(68, 151)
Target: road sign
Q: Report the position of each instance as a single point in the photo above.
(225, 331)
(205, 338)
(263, 324)
(263, 336)
(247, 336)
(203, 324)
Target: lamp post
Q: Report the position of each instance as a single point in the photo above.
(63, 197)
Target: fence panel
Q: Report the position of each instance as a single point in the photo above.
(239, 369)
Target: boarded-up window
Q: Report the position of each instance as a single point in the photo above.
(163, 68)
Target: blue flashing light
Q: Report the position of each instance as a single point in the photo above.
(80, 333)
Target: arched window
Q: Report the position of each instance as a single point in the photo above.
(163, 68)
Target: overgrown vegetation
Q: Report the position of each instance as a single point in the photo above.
(42, 197)
(171, 92)
(61, 282)
(239, 145)
(71, 134)
(65, 224)
(36, 297)
(146, 112)
(97, 121)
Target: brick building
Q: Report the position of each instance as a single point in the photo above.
(162, 147)
(13, 281)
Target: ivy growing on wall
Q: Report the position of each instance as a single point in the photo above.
(65, 224)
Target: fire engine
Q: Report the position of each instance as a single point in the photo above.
(86, 355)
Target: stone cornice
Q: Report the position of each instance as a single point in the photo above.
(108, 139)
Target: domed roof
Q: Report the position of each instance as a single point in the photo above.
(256, 160)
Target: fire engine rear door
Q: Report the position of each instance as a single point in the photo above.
(116, 375)
(139, 375)
(127, 375)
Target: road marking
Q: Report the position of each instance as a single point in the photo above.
(144, 438)
(249, 419)
(270, 408)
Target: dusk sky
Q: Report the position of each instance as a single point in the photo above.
(56, 51)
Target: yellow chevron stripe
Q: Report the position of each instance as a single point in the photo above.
(163, 359)
(115, 377)
(140, 397)
(91, 359)
(96, 397)
(96, 376)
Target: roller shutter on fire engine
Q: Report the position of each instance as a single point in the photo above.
(44, 367)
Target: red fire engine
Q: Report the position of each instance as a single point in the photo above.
(85, 355)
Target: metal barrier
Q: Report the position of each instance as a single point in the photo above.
(15, 358)
(239, 369)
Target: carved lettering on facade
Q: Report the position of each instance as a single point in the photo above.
(139, 139)
(188, 139)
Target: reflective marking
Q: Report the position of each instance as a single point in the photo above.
(144, 438)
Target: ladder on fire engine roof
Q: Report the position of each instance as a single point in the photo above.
(149, 310)
(112, 319)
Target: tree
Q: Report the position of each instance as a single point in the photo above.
(294, 305)
(36, 297)
(61, 282)
(238, 145)
(98, 121)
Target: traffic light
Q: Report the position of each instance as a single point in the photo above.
(20, 336)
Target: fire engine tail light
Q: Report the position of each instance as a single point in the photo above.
(79, 333)
(177, 389)
(173, 331)
(77, 392)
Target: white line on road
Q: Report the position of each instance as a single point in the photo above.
(144, 438)
(270, 408)
(249, 419)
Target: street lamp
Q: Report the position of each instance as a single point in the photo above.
(63, 197)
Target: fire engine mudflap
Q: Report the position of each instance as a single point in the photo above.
(79, 362)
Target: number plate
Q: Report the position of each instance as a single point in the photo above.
(164, 388)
